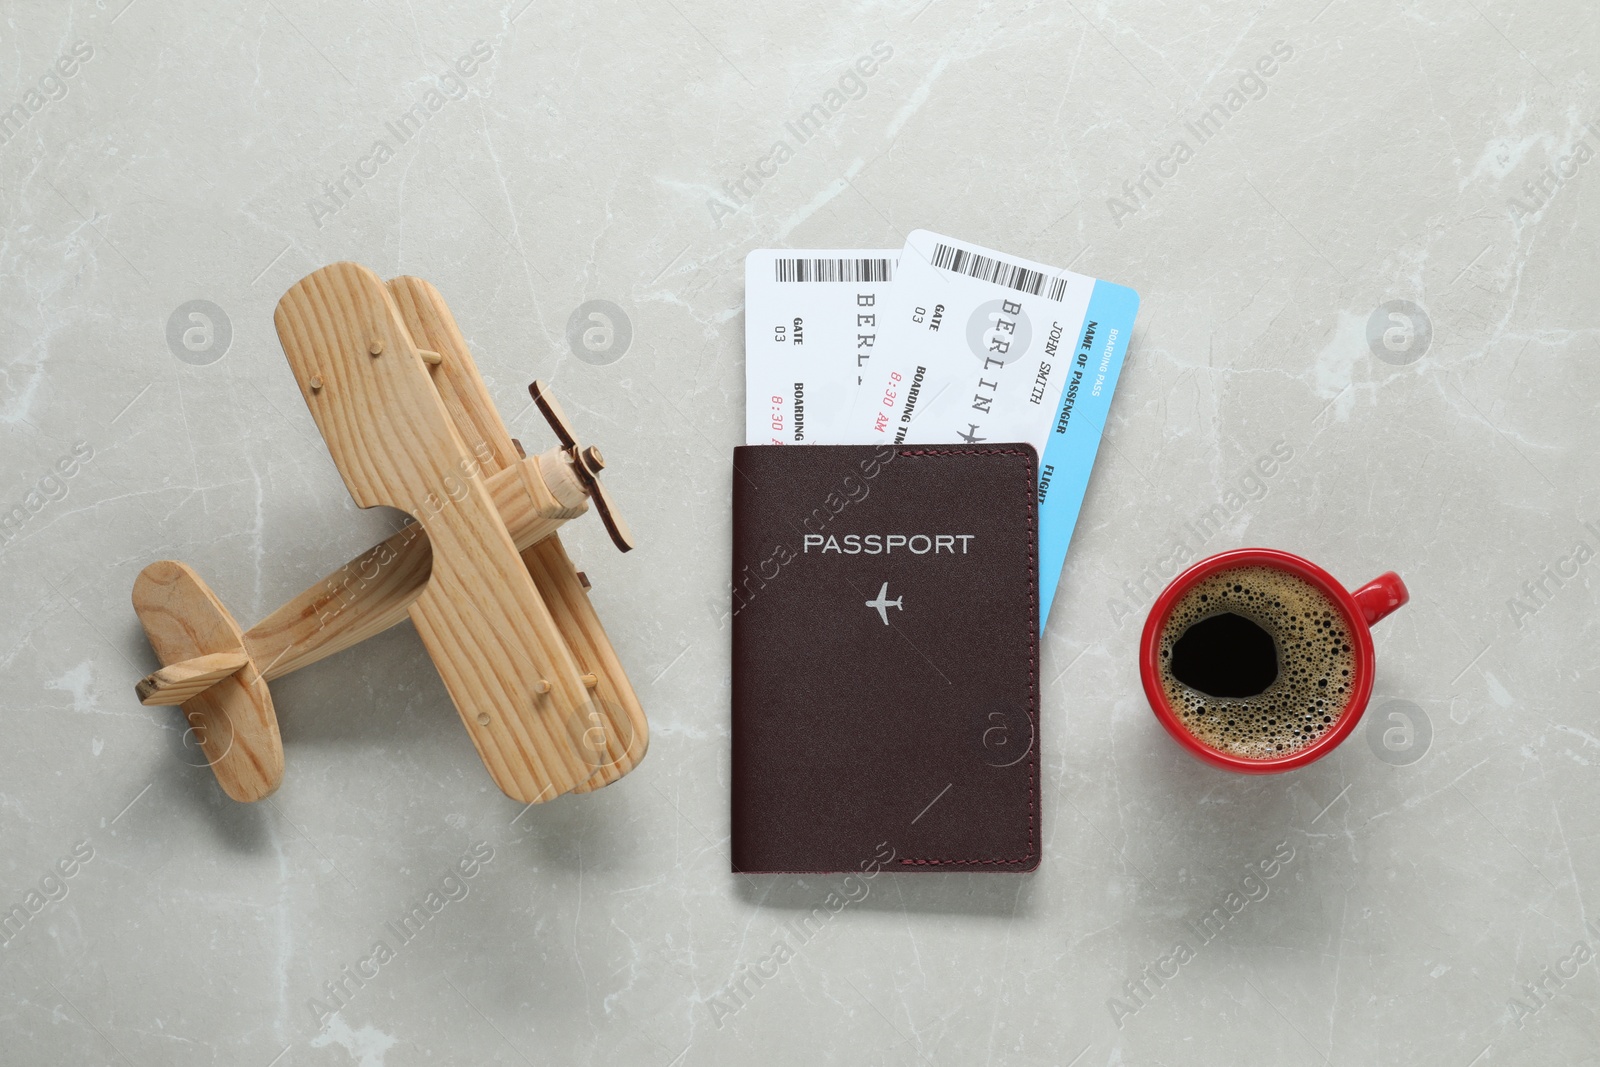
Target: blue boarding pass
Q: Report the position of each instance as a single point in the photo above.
(975, 345)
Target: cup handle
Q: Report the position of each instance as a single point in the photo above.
(1381, 596)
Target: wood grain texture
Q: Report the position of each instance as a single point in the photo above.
(374, 590)
(233, 719)
(428, 319)
(615, 732)
(480, 616)
(618, 733)
(177, 682)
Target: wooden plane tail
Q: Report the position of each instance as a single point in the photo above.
(207, 671)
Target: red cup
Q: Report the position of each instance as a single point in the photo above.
(1361, 610)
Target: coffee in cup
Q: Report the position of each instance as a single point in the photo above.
(1257, 660)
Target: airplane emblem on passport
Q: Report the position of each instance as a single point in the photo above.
(883, 603)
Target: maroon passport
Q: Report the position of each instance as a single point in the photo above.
(885, 658)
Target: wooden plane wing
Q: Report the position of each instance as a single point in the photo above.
(505, 663)
(427, 317)
(616, 732)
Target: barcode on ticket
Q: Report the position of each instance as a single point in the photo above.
(998, 271)
(835, 270)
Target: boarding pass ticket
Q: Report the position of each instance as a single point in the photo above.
(810, 321)
(961, 345)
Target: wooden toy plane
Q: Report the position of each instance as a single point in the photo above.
(481, 572)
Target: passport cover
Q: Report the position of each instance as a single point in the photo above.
(885, 658)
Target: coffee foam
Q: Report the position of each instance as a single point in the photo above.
(1316, 664)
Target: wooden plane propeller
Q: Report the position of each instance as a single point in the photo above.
(481, 572)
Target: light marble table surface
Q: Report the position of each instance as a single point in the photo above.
(1380, 259)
